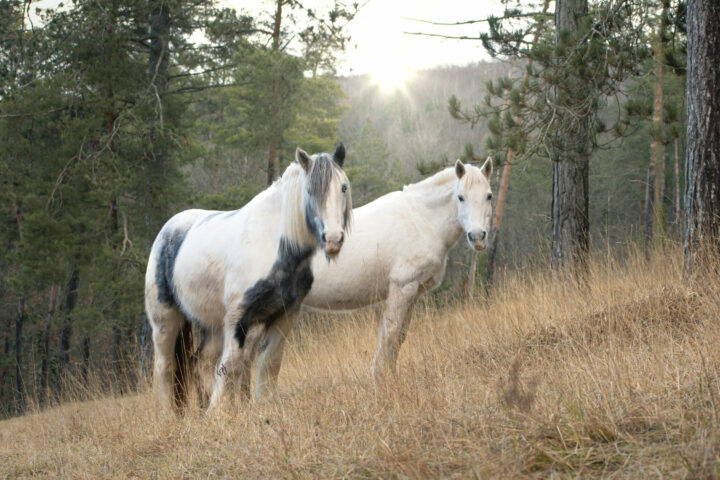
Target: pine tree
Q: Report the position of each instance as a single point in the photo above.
(557, 104)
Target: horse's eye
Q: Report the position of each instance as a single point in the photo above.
(344, 188)
(489, 196)
(461, 198)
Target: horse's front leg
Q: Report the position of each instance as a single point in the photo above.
(393, 328)
(271, 353)
(208, 357)
(232, 375)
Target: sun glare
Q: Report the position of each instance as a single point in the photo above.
(391, 76)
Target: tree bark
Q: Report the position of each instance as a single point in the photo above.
(702, 167)
(71, 295)
(570, 154)
(19, 383)
(46, 345)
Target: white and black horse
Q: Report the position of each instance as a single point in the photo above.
(241, 276)
(399, 252)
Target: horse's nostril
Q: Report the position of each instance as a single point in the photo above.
(482, 235)
(342, 237)
(324, 239)
(470, 237)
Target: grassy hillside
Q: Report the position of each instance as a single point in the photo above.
(614, 375)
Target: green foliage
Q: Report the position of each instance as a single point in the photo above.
(99, 136)
(371, 168)
(231, 199)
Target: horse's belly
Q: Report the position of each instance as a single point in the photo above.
(342, 286)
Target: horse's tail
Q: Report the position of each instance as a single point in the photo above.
(184, 360)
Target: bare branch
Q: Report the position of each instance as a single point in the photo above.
(450, 37)
(482, 20)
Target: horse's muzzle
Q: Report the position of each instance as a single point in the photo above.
(477, 239)
(333, 243)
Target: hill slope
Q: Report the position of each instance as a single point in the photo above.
(617, 374)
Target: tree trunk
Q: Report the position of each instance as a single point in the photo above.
(216, 178)
(71, 296)
(19, 383)
(570, 154)
(657, 158)
(275, 109)
(85, 360)
(648, 213)
(46, 345)
(678, 220)
(702, 166)
(497, 221)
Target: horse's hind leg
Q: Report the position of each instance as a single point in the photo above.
(271, 353)
(393, 328)
(166, 322)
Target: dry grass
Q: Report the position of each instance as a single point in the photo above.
(613, 376)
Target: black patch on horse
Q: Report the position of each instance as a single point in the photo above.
(285, 287)
(172, 240)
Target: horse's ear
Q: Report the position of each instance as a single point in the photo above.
(459, 169)
(303, 159)
(487, 168)
(339, 155)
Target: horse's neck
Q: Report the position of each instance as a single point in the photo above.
(440, 210)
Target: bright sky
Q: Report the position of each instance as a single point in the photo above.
(378, 40)
(379, 46)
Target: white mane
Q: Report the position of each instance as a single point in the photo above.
(444, 180)
(293, 226)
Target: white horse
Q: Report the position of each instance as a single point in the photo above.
(240, 276)
(399, 251)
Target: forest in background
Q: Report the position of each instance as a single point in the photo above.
(112, 120)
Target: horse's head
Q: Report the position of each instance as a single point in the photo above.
(473, 196)
(326, 198)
